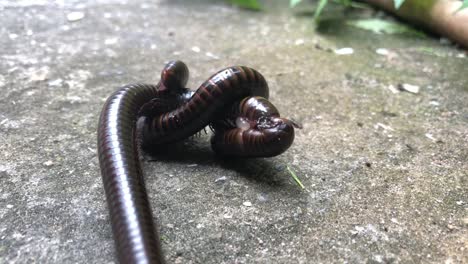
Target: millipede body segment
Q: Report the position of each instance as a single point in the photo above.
(233, 102)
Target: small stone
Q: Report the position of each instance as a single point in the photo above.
(40, 74)
(384, 127)
(434, 103)
(344, 51)
(196, 49)
(48, 163)
(299, 42)
(211, 55)
(383, 52)
(459, 202)
(13, 36)
(247, 203)
(221, 179)
(110, 41)
(9, 206)
(393, 89)
(429, 136)
(75, 16)
(57, 82)
(409, 88)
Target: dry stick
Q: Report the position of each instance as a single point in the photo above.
(440, 16)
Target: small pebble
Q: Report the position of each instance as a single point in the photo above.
(48, 163)
(299, 42)
(429, 136)
(383, 52)
(409, 88)
(344, 51)
(110, 41)
(393, 89)
(196, 49)
(384, 126)
(248, 204)
(451, 227)
(40, 74)
(211, 55)
(9, 206)
(221, 179)
(75, 16)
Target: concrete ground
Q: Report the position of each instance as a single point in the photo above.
(384, 170)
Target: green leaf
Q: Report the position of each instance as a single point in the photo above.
(398, 3)
(463, 6)
(318, 11)
(249, 4)
(380, 26)
(293, 3)
(295, 177)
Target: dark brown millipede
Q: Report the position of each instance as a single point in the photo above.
(233, 102)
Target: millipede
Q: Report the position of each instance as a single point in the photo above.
(233, 103)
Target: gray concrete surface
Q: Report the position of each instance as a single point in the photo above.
(385, 171)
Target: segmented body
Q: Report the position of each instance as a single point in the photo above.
(173, 113)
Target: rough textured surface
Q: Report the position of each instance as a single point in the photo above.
(385, 171)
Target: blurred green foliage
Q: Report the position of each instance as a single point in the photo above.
(255, 5)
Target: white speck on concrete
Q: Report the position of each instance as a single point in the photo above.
(393, 89)
(221, 179)
(196, 49)
(247, 203)
(385, 127)
(111, 41)
(48, 163)
(75, 16)
(409, 88)
(299, 42)
(211, 55)
(383, 52)
(429, 136)
(344, 51)
(40, 74)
